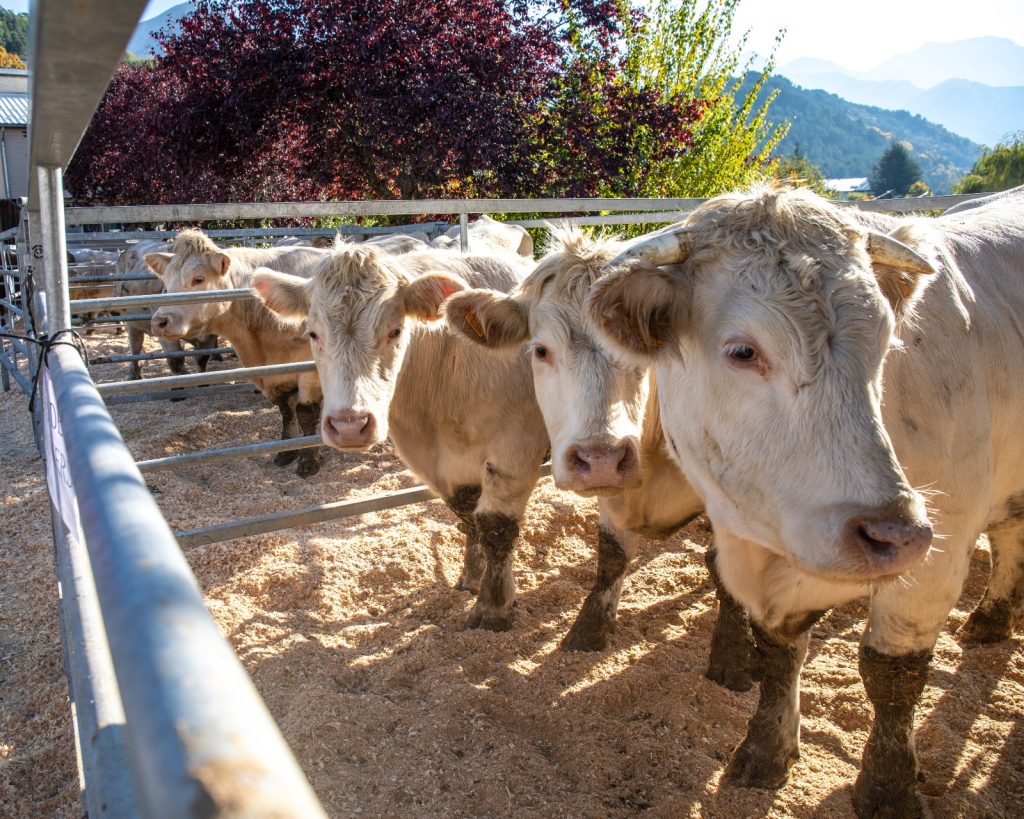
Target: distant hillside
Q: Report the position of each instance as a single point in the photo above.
(142, 43)
(973, 87)
(845, 139)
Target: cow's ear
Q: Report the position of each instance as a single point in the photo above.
(157, 262)
(422, 298)
(901, 271)
(286, 295)
(488, 317)
(639, 311)
(220, 263)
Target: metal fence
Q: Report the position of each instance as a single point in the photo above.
(161, 702)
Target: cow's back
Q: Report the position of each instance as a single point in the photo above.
(954, 392)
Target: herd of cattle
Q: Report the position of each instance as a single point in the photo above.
(731, 364)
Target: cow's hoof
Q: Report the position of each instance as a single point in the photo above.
(468, 584)
(729, 675)
(752, 767)
(307, 467)
(586, 637)
(881, 800)
(286, 457)
(491, 622)
(990, 626)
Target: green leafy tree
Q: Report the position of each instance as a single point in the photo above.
(683, 49)
(14, 32)
(896, 170)
(1000, 169)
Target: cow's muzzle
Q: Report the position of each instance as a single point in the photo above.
(888, 543)
(601, 466)
(350, 429)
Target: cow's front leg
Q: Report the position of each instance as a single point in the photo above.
(285, 401)
(772, 743)
(136, 341)
(308, 417)
(733, 653)
(595, 624)
(493, 608)
(886, 785)
(463, 502)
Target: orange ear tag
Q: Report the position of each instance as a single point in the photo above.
(474, 324)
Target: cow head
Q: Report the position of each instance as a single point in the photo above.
(592, 406)
(194, 265)
(356, 308)
(770, 338)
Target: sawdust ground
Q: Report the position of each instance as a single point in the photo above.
(354, 636)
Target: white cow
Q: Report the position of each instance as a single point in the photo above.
(132, 261)
(487, 235)
(603, 422)
(769, 342)
(466, 425)
(196, 265)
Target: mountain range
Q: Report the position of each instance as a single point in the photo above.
(973, 87)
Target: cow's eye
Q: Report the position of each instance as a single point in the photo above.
(311, 334)
(198, 280)
(743, 355)
(541, 353)
(394, 334)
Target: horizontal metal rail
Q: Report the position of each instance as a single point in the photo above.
(301, 517)
(199, 736)
(116, 277)
(88, 305)
(125, 237)
(228, 453)
(118, 319)
(197, 379)
(179, 394)
(199, 351)
(381, 207)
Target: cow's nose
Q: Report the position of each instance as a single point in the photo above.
(159, 325)
(349, 429)
(890, 544)
(601, 465)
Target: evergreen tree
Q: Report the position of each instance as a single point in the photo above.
(14, 32)
(896, 170)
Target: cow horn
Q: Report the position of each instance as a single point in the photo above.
(669, 247)
(885, 250)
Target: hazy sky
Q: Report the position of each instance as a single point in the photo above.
(857, 35)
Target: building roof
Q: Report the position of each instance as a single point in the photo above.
(14, 110)
(853, 184)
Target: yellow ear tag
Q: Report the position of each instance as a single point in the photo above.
(474, 324)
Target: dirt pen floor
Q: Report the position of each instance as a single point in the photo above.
(354, 637)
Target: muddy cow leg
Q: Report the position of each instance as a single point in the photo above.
(886, 785)
(772, 743)
(136, 340)
(176, 365)
(205, 343)
(462, 502)
(493, 607)
(308, 417)
(1002, 607)
(732, 658)
(285, 402)
(595, 624)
